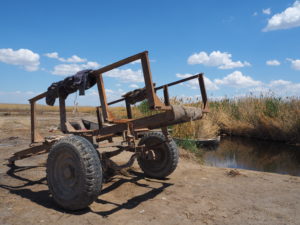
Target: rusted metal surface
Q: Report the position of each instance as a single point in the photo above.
(166, 95)
(128, 109)
(38, 97)
(135, 96)
(33, 121)
(160, 87)
(203, 93)
(33, 150)
(120, 63)
(153, 101)
(102, 96)
(63, 116)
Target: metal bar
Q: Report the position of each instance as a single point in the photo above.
(148, 81)
(178, 81)
(203, 91)
(33, 121)
(102, 97)
(161, 87)
(38, 97)
(102, 70)
(128, 109)
(120, 63)
(116, 101)
(99, 117)
(36, 150)
(166, 95)
(63, 117)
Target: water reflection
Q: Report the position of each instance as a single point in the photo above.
(252, 154)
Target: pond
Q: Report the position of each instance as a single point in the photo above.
(253, 154)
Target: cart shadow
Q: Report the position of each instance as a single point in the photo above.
(135, 201)
(43, 198)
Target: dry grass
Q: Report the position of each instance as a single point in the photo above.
(264, 117)
(25, 108)
(118, 111)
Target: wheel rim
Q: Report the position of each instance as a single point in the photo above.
(66, 174)
(154, 158)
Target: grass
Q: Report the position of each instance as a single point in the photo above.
(264, 117)
(19, 109)
(192, 147)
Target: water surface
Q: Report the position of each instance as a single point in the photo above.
(252, 154)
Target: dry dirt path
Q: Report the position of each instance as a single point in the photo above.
(193, 194)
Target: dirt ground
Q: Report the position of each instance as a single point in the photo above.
(193, 194)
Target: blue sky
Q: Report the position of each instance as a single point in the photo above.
(241, 46)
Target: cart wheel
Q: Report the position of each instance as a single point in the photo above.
(74, 173)
(160, 158)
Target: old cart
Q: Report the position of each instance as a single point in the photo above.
(75, 164)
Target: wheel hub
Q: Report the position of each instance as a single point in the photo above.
(68, 172)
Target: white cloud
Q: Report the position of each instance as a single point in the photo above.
(237, 80)
(126, 75)
(266, 11)
(72, 59)
(17, 97)
(52, 55)
(216, 58)
(68, 69)
(91, 97)
(295, 63)
(194, 84)
(283, 87)
(133, 86)
(276, 83)
(25, 58)
(136, 61)
(255, 14)
(289, 18)
(75, 59)
(273, 62)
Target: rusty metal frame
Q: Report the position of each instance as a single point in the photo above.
(165, 118)
(153, 100)
(129, 128)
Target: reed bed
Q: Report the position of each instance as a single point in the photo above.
(265, 117)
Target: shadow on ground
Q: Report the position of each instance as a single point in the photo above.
(43, 198)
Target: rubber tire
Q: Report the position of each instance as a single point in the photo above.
(74, 173)
(169, 152)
